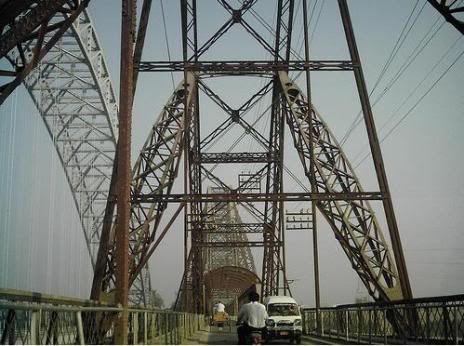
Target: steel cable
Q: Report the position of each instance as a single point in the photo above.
(398, 44)
(398, 123)
(167, 43)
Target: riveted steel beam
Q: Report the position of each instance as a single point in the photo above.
(234, 67)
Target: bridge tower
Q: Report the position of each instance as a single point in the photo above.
(176, 141)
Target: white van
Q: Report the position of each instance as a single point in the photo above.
(284, 319)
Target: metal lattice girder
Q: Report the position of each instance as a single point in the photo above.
(153, 173)
(29, 29)
(225, 213)
(258, 67)
(72, 90)
(184, 294)
(284, 27)
(226, 244)
(273, 271)
(353, 221)
(19, 19)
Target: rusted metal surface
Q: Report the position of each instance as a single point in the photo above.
(335, 189)
(123, 182)
(227, 284)
(379, 165)
(154, 170)
(23, 26)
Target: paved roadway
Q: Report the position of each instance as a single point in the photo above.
(226, 336)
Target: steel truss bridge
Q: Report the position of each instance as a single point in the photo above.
(52, 49)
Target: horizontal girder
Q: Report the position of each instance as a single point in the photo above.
(234, 196)
(246, 157)
(244, 67)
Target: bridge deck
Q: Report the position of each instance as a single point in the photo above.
(226, 336)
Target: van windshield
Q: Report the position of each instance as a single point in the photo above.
(283, 310)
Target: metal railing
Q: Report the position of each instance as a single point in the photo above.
(27, 318)
(425, 321)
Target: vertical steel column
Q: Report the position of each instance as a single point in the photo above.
(124, 170)
(102, 256)
(192, 177)
(183, 10)
(376, 152)
(312, 172)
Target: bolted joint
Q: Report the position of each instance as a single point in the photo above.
(235, 116)
(237, 16)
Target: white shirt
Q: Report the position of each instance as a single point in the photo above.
(220, 307)
(254, 314)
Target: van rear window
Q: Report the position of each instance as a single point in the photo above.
(283, 310)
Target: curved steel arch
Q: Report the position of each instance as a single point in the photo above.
(353, 222)
(72, 90)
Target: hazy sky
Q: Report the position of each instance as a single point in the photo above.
(41, 243)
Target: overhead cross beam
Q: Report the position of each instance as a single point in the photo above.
(252, 67)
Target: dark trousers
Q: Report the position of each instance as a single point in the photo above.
(244, 330)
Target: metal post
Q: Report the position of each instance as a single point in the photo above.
(330, 323)
(456, 326)
(358, 324)
(176, 324)
(80, 328)
(427, 324)
(315, 323)
(446, 322)
(185, 324)
(166, 328)
(185, 144)
(385, 341)
(145, 328)
(370, 326)
(124, 171)
(376, 152)
(154, 326)
(135, 328)
(346, 325)
(35, 325)
(311, 169)
(322, 325)
(172, 326)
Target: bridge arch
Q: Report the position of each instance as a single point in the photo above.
(71, 88)
(227, 284)
(72, 91)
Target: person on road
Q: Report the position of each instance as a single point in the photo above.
(252, 316)
(220, 307)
